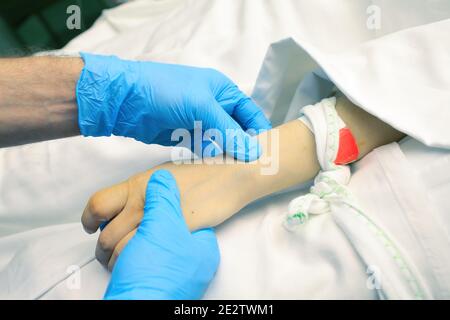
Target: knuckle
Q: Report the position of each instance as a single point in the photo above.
(95, 206)
(101, 258)
(216, 74)
(213, 71)
(105, 242)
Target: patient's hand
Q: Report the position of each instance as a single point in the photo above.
(211, 193)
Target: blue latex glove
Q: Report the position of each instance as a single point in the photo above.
(164, 260)
(147, 101)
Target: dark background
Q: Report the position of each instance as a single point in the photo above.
(28, 26)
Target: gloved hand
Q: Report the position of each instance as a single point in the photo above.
(148, 100)
(164, 260)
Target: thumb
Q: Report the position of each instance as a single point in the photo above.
(237, 143)
(162, 209)
(207, 245)
(206, 238)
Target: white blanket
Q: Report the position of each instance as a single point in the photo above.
(44, 186)
(389, 57)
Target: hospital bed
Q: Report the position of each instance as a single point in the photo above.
(284, 54)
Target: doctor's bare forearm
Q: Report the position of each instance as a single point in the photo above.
(37, 99)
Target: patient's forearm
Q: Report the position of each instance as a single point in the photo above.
(37, 99)
(297, 150)
(212, 193)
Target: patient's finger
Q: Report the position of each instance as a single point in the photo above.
(119, 247)
(117, 228)
(103, 206)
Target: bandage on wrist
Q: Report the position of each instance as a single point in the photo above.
(335, 143)
(348, 149)
(336, 147)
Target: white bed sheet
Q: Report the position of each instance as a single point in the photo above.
(260, 259)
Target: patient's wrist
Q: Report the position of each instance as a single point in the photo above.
(220, 190)
(289, 150)
(368, 131)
